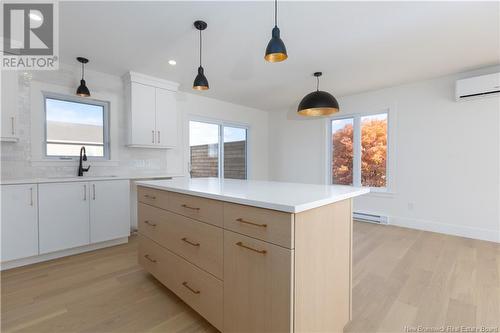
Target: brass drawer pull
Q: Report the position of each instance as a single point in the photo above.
(190, 243)
(251, 249)
(185, 284)
(189, 207)
(149, 196)
(150, 224)
(149, 258)
(251, 223)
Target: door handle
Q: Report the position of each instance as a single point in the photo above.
(251, 223)
(149, 258)
(93, 191)
(184, 239)
(240, 244)
(84, 192)
(150, 223)
(31, 196)
(189, 207)
(153, 136)
(185, 284)
(12, 125)
(158, 136)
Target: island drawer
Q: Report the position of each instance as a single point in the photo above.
(152, 197)
(201, 209)
(199, 243)
(265, 224)
(200, 290)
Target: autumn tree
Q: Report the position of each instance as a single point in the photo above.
(373, 153)
(342, 155)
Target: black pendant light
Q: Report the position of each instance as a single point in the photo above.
(200, 82)
(318, 103)
(82, 89)
(276, 50)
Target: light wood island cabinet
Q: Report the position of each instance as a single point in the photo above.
(247, 264)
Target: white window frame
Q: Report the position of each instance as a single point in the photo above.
(356, 179)
(75, 99)
(221, 124)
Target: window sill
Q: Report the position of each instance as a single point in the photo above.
(54, 162)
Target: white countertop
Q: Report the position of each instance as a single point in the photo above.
(286, 197)
(64, 179)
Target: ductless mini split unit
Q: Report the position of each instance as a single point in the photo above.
(478, 87)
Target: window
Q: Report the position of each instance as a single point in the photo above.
(359, 150)
(217, 149)
(71, 123)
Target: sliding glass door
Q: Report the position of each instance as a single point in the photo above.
(217, 150)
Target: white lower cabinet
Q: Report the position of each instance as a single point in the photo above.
(81, 213)
(19, 221)
(38, 219)
(63, 215)
(109, 213)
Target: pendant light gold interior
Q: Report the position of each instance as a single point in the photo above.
(276, 57)
(317, 112)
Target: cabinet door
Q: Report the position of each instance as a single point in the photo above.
(63, 215)
(257, 285)
(9, 104)
(166, 118)
(109, 210)
(19, 221)
(143, 115)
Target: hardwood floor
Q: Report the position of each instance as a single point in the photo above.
(404, 277)
(401, 277)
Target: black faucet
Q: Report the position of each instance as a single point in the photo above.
(81, 169)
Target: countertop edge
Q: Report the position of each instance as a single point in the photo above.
(84, 179)
(261, 204)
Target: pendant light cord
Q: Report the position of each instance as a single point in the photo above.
(82, 70)
(317, 83)
(275, 13)
(200, 48)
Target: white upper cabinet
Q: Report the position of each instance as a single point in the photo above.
(109, 210)
(153, 114)
(9, 106)
(166, 118)
(19, 221)
(143, 129)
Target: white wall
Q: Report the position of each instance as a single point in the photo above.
(23, 159)
(445, 163)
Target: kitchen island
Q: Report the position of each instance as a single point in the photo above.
(252, 256)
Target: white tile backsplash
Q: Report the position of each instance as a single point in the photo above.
(16, 158)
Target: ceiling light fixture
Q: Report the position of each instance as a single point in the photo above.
(200, 82)
(82, 90)
(318, 103)
(172, 62)
(276, 50)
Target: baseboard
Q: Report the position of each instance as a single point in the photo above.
(490, 235)
(59, 254)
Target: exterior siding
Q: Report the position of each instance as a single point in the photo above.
(204, 160)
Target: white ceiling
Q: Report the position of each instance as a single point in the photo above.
(359, 46)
